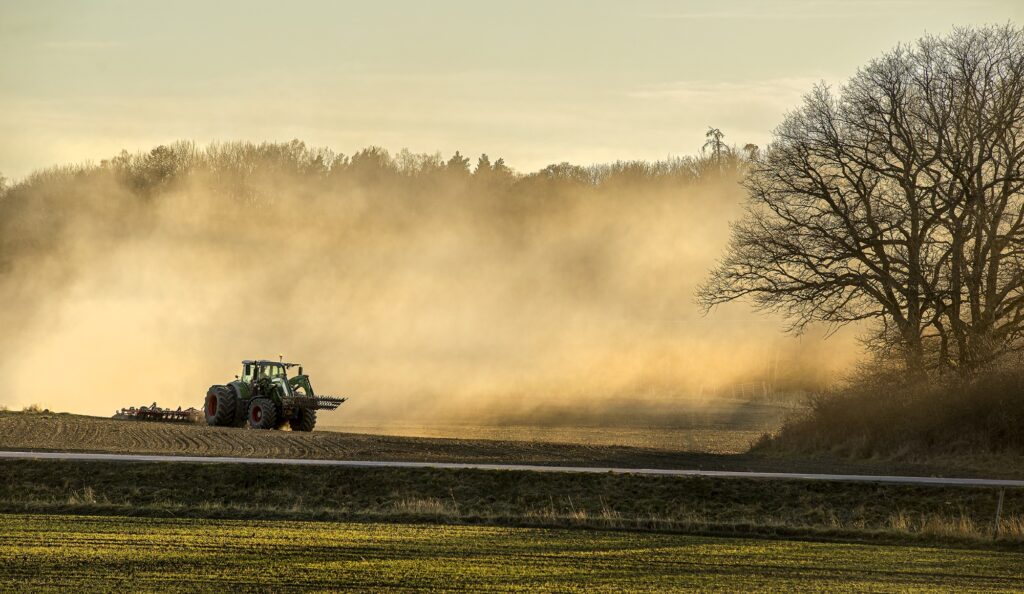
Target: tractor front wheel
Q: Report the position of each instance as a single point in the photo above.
(262, 414)
(305, 421)
(220, 406)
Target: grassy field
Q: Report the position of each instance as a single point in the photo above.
(700, 505)
(81, 553)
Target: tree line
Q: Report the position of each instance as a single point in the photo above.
(38, 212)
(233, 162)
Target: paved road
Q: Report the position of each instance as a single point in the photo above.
(910, 480)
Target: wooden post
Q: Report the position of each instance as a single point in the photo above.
(999, 512)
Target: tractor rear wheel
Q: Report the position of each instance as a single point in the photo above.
(305, 421)
(220, 406)
(241, 417)
(262, 413)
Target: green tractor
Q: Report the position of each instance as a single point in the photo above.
(264, 397)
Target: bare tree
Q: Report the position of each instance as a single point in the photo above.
(897, 201)
(973, 106)
(714, 138)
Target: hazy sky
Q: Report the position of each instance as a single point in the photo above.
(534, 82)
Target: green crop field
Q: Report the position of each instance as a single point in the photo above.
(85, 553)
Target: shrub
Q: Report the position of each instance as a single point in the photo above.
(890, 415)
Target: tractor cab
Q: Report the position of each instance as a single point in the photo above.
(255, 370)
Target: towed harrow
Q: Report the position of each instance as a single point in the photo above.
(162, 415)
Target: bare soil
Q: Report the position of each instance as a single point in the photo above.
(75, 433)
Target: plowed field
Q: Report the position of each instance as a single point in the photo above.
(73, 433)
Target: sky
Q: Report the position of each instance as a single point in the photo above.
(532, 82)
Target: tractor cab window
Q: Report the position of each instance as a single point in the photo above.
(247, 371)
(272, 370)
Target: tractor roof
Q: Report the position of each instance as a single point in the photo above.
(266, 362)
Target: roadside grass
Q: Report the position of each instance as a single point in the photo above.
(116, 553)
(697, 505)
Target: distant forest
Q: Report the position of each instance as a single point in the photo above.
(35, 211)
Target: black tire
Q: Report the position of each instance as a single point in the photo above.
(241, 409)
(220, 406)
(305, 421)
(262, 413)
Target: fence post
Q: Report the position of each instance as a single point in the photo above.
(999, 512)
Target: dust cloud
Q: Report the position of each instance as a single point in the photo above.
(425, 293)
